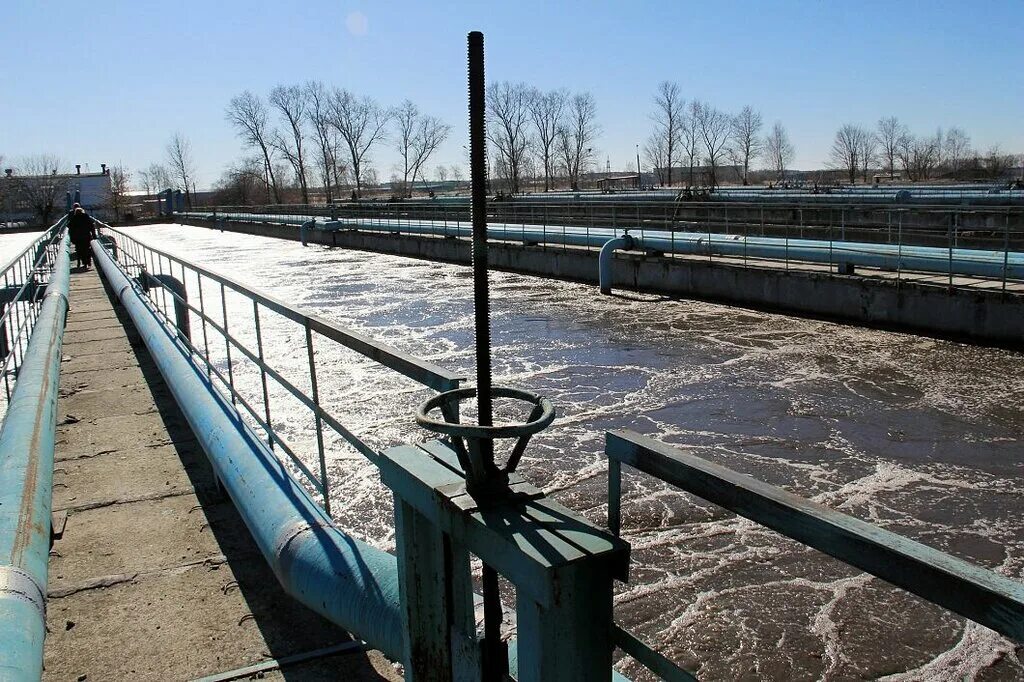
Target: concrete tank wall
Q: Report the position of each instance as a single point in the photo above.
(989, 317)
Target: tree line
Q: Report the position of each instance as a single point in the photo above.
(697, 136)
(308, 136)
(892, 147)
(326, 135)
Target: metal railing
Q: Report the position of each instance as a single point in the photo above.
(192, 298)
(22, 286)
(954, 249)
(983, 596)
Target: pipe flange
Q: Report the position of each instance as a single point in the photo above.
(19, 583)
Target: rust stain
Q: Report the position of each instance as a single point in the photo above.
(24, 532)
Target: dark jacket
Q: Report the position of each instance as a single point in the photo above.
(81, 228)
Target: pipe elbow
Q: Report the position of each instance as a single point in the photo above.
(604, 260)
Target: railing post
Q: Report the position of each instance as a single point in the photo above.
(325, 486)
(614, 496)
(263, 373)
(1006, 247)
(227, 344)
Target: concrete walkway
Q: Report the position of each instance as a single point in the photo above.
(153, 575)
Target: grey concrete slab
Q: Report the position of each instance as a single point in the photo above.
(85, 481)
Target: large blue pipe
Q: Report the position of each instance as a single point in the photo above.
(967, 262)
(343, 579)
(26, 484)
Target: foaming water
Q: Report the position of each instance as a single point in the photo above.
(920, 436)
(12, 244)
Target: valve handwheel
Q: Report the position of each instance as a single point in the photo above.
(483, 476)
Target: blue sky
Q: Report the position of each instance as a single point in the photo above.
(110, 81)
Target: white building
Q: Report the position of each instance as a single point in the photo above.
(22, 196)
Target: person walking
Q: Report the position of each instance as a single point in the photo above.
(82, 230)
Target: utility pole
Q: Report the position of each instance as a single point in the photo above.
(639, 175)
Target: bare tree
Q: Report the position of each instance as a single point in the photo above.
(919, 155)
(36, 182)
(508, 116)
(247, 113)
(456, 172)
(668, 118)
(546, 111)
(713, 125)
(182, 167)
(957, 149)
(868, 153)
(120, 179)
(326, 137)
(362, 123)
(997, 163)
(419, 136)
(778, 150)
(291, 103)
(655, 150)
(745, 144)
(690, 138)
(889, 134)
(442, 173)
(242, 183)
(577, 135)
(846, 150)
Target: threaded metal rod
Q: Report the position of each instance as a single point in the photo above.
(495, 654)
(478, 177)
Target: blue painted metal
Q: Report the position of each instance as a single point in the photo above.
(561, 565)
(26, 482)
(955, 261)
(179, 294)
(986, 597)
(604, 260)
(345, 580)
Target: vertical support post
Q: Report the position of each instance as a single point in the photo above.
(324, 483)
(1006, 247)
(263, 372)
(4, 344)
(949, 244)
(227, 344)
(202, 315)
(575, 622)
(614, 496)
(436, 590)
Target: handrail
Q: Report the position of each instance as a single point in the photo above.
(340, 577)
(133, 255)
(22, 282)
(982, 595)
(427, 373)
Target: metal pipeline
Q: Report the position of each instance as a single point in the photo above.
(26, 484)
(604, 260)
(955, 261)
(341, 578)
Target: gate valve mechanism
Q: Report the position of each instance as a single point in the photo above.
(486, 482)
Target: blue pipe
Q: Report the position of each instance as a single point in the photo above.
(969, 262)
(26, 484)
(604, 260)
(341, 578)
